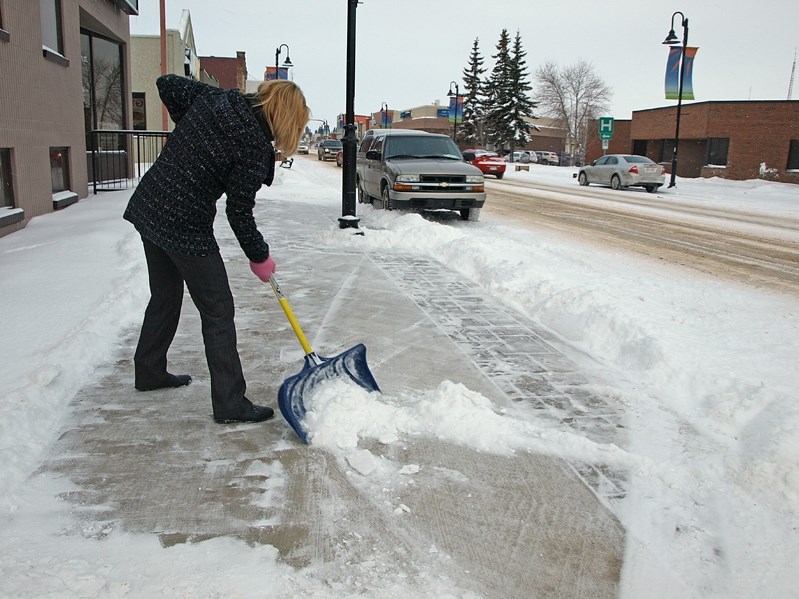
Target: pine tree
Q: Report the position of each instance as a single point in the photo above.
(522, 106)
(500, 128)
(471, 130)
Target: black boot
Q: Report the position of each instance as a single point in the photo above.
(251, 413)
(172, 380)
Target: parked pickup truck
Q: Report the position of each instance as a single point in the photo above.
(404, 169)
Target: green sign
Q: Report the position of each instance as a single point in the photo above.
(605, 127)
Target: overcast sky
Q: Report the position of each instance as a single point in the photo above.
(408, 51)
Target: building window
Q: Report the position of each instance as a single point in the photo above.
(793, 155)
(639, 147)
(139, 111)
(103, 105)
(6, 189)
(666, 150)
(59, 169)
(717, 151)
(4, 35)
(50, 13)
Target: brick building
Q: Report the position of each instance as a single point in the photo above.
(230, 72)
(747, 139)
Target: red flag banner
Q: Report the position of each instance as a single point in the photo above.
(687, 82)
(269, 74)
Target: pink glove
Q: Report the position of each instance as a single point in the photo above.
(264, 269)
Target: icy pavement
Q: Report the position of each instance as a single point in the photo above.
(417, 517)
(517, 355)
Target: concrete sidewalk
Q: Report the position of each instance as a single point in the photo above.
(504, 527)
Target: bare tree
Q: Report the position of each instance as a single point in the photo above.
(573, 95)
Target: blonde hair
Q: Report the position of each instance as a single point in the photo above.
(286, 113)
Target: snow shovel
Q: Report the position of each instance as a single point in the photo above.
(350, 364)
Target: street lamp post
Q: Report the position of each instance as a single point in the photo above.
(455, 121)
(671, 39)
(348, 220)
(384, 115)
(286, 62)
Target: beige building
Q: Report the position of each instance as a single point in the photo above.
(145, 59)
(65, 70)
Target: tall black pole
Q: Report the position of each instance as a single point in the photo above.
(673, 180)
(350, 141)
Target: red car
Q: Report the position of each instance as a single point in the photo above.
(489, 163)
(340, 158)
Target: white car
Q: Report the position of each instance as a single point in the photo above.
(623, 170)
(522, 156)
(548, 158)
(303, 148)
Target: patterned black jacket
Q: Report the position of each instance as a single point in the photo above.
(218, 147)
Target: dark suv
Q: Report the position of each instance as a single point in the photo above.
(406, 169)
(328, 148)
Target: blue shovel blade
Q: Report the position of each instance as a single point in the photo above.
(350, 364)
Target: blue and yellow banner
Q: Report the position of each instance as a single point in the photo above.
(673, 74)
(455, 113)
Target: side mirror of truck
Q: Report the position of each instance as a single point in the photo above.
(468, 156)
(373, 155)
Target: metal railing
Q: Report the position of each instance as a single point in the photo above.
(118, 158)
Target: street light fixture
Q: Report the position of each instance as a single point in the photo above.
(455, 120)
(384, 115)
(287, 63)
(671, 40)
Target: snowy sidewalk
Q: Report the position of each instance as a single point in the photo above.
(416, 516)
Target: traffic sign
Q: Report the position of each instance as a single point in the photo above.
(605, 127)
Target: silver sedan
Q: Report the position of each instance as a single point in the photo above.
(623, 170)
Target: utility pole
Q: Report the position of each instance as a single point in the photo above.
(164, 112)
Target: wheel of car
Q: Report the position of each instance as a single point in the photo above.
(385, 201)
(615, 182)
(472, 214)
(582, 179)
(652, 188)
(363, 197)
(499, 175)
(318, 156)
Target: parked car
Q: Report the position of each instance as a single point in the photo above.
(303, 148)
(522, 156)
(623, 170)
(340, 158)
(547, 158)
(406, 169)
(489, 163)
(328, 148)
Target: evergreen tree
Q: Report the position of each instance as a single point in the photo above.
(471, 130)
(522, 106)
(500, 127)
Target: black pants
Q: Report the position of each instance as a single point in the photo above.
(207, 282)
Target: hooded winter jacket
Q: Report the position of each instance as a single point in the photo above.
(218, 147)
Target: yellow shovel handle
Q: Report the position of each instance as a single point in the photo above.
(284, 303)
